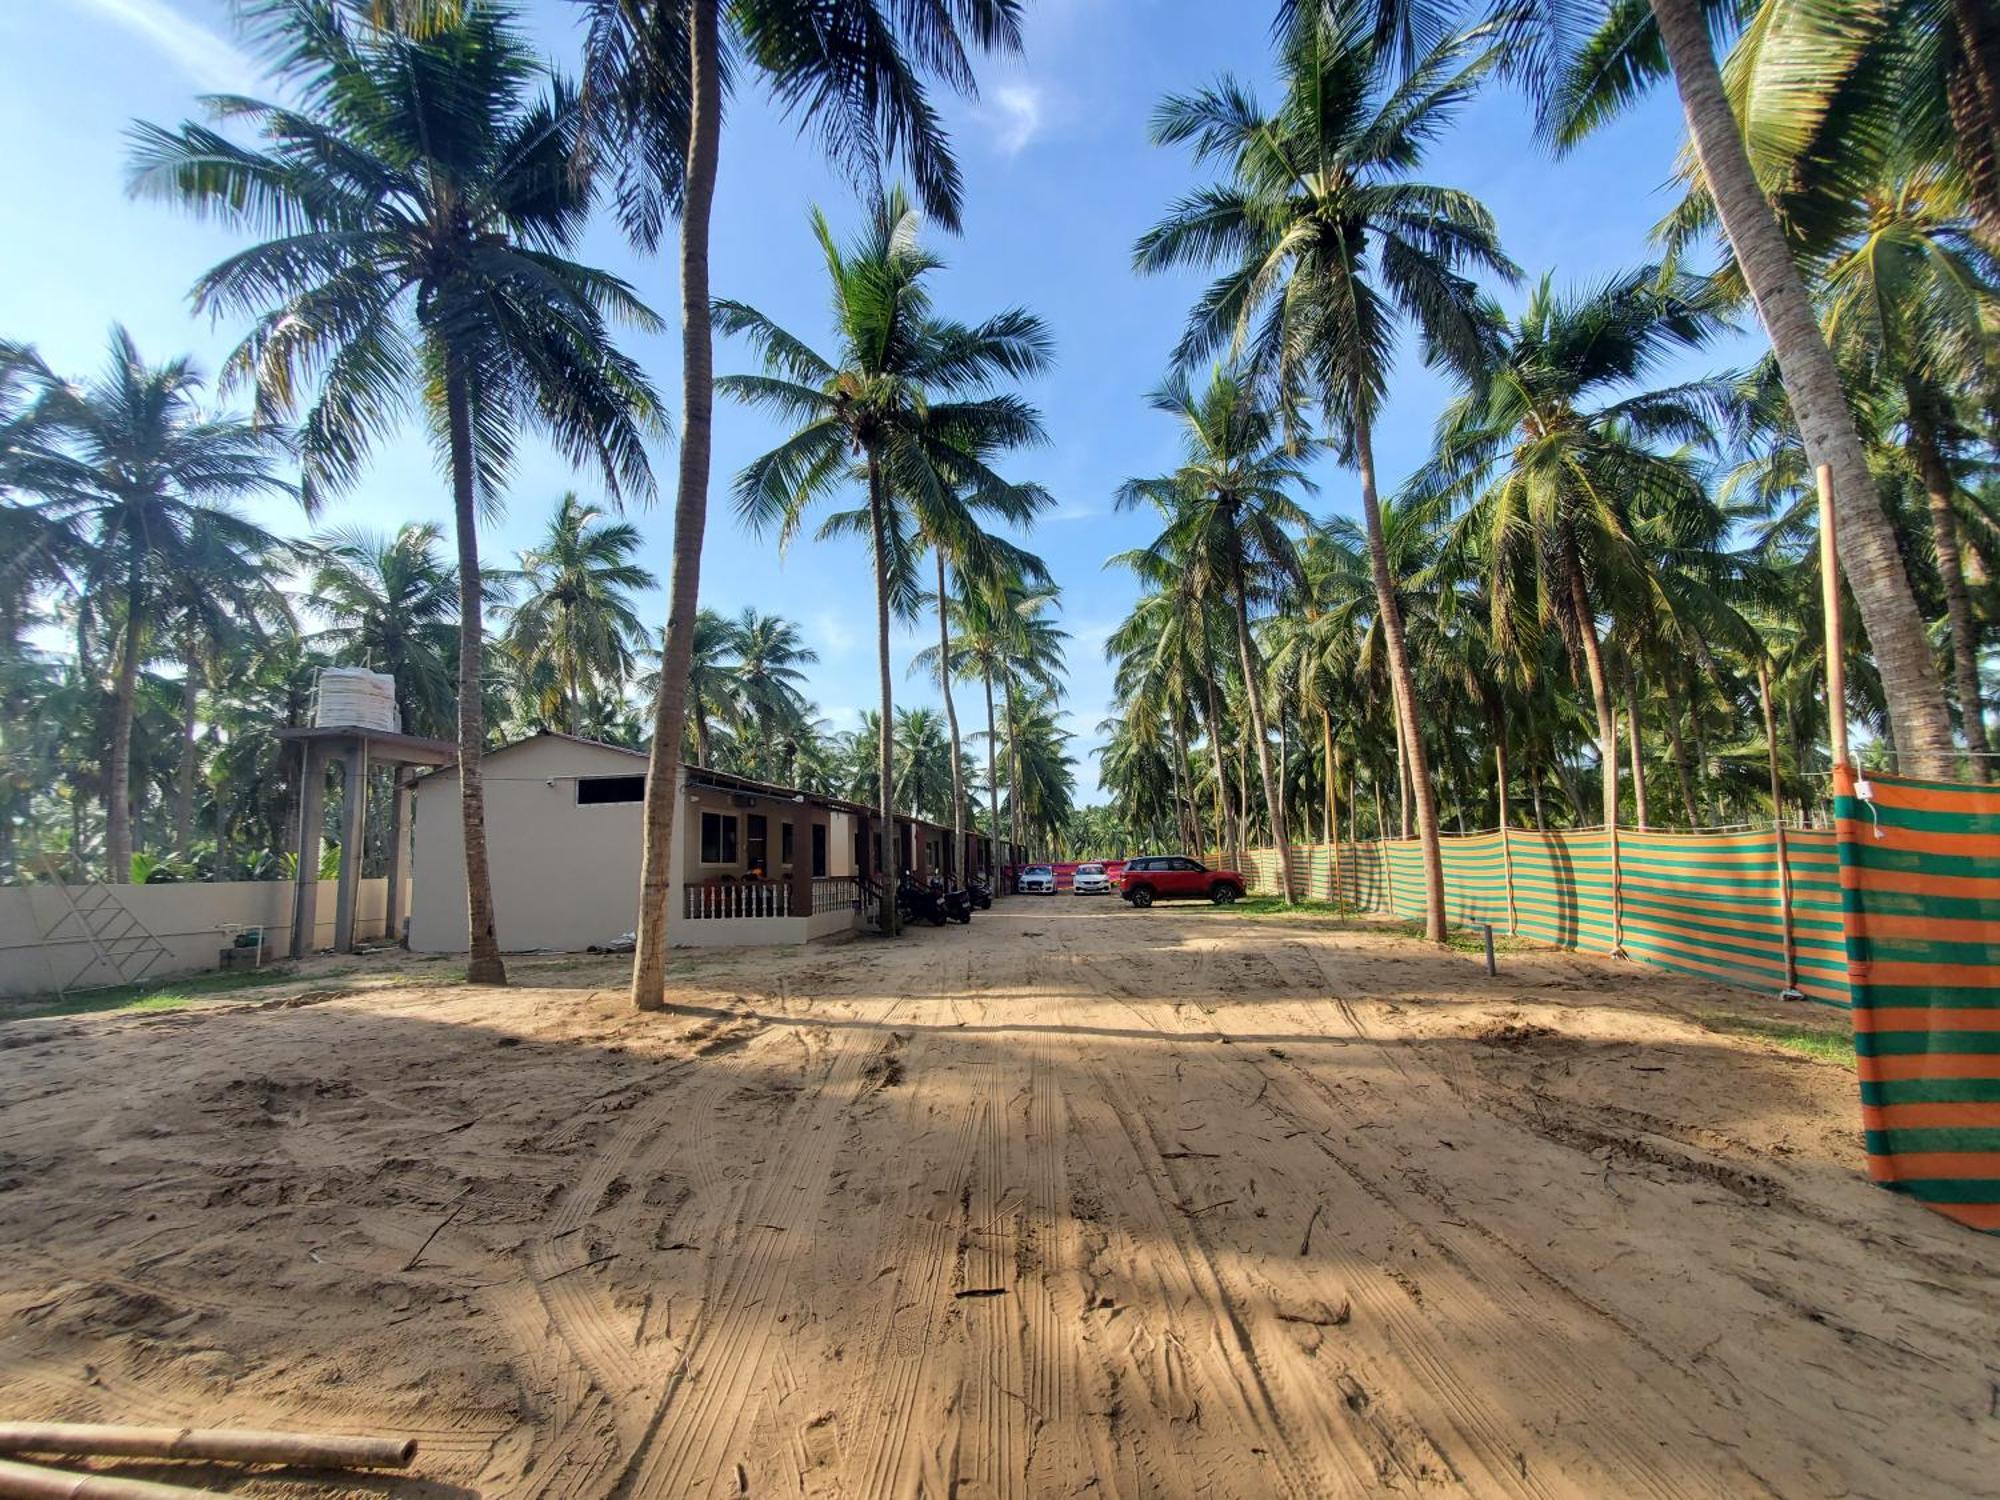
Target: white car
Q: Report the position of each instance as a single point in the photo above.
(1036, 880)
(1092, 881)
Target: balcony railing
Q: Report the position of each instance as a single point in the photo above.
(836, 893)
(738, 901)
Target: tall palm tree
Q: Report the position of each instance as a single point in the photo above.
(654, 78)
(908, 393)
(135, 477)
(1000, 632)
(1230, 523)
(220, 600)
(575, 624)
(410, 261)
(1550, 451)
(1582, 87)
(1911, 304)
(1327, 243)
(712, 683)
(390, 604)
(771, 657)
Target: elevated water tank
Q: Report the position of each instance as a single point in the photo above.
(358, 698)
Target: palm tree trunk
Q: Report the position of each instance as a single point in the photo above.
(1500, 790)
(184, 772)
(1938, 488)
(892, 845)
(1330, 814)
(482, 959)
(1402, 781)
(1403, 686)
(1679, 747)
(1254, 695)
(1868, 554)
(1013, 768)
(951, 718)
(1975, 109)
(1222, 812)
(1771, 743)
(663, 772)
(1585, 621)
(992, 780)
(1632, 731)
(124, 703)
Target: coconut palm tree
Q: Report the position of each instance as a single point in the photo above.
(1911, 301)
(391, 604)
(1551, 455)
(771, 657)
(408, 262)
(911, 395)
(1230, 525)
(654, 78)
(1581, 87)
(712, 683)
(575, 625)
(131, 482)
(1327, 244)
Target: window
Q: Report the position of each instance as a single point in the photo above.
(594, 791)
(757, 844)
(1189, 864)
(819, 849)
(785, 841)
(718, 838)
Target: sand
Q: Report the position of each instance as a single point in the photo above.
(1078, 1201)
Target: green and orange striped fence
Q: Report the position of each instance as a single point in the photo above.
(1920, 894)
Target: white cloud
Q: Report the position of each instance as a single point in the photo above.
(198, 52)
(833, 633)
(1015, 116)
(1072, 513)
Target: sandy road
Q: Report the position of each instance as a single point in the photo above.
(1080, 1200)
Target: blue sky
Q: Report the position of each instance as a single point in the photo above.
(1059, 177)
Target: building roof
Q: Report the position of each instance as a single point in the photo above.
(701, 776)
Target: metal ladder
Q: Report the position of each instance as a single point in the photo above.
(117, 938)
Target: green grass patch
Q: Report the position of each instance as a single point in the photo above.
(147, 995)
(1817, 1043)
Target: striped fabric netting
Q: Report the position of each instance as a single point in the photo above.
(1920, 892)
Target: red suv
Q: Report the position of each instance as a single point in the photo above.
(1175, 877)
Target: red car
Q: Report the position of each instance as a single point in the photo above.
(1175, 877)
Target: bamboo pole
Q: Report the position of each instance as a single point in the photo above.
(1829, 583)
(229, 1444)
(33, 1482)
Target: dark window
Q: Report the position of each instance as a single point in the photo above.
(718, 838)
(785, 844)
(819, 848)
(758, 844)
(593, 790)
(1189, 864)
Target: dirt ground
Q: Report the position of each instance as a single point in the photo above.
(1078, 1201)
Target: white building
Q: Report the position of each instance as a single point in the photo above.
(752, 863)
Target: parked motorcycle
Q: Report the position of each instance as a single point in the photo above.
(956, 901)
(981, 892)
(919, 903)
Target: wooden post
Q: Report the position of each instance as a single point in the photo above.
(312, 813)
(1778, 830)
(1829, 584)
(354, 827)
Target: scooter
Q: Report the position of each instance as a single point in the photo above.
(957, 903)
(980, 892)
(919, 903)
